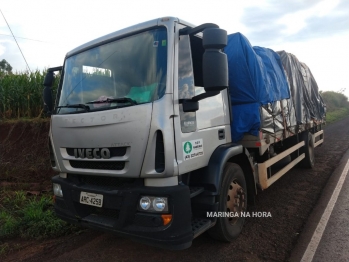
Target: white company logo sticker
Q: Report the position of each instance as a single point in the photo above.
(192, 149)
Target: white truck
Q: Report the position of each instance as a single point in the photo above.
(149, 135)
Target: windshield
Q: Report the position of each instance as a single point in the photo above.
(126, 72)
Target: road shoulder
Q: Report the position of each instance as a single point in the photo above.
(317, 213)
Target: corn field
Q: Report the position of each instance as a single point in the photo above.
(21, 94)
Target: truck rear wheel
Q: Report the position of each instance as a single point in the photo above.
(232, 200)
(308, 150)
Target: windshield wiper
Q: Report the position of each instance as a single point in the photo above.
(85, 107)
(110, 100)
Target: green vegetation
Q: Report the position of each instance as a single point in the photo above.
(337, 106)
(29, 217)
(5, 66)
(4, 249)
(21, 94)
(334, 100)
(26, 204)
(336, 115)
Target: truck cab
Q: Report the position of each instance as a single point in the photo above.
(124, 135)
(141, 137)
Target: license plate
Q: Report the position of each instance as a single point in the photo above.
(91, 199)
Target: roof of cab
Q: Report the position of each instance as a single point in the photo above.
(125, 31)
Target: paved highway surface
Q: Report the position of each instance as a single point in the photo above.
(326, 235)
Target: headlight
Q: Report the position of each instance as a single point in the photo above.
(159, 204)
(153, 204)
(57, 190)
(145, 203)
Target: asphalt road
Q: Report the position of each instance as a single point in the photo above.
(326, 234)
(334, 243)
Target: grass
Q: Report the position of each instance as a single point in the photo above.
(29, 217)
(4, 249)
(336, 115)
(21, 94)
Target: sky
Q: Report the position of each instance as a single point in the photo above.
(316, 31)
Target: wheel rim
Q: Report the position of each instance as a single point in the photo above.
(235, 201)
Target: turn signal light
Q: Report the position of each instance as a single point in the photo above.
(166, 218)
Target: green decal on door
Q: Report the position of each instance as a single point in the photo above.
(193, 149)
(187, 147)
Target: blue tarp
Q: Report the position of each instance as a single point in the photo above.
(256, 78)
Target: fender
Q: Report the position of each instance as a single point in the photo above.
(211, 175)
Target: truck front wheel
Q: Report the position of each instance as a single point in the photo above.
(308, 150)
(232, 201)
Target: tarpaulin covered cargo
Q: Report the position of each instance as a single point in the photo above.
(256, 78)
(308, 103)
(260, 94)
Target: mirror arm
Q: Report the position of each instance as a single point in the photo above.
(53, 69)
(193, 31)
(192, 104)
(204, 95)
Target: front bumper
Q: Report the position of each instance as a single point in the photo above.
(119, 213)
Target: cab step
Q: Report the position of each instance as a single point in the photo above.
(194, 191)
(200, 225)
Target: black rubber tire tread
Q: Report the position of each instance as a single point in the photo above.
(223, 231)
(309, 159)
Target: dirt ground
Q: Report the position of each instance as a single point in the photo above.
(290, 201)
(24, 154)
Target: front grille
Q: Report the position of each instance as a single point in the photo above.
(85, 210)
(103, 181)
(100, 165)
(114, 151)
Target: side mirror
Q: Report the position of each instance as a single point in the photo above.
(48, 102)
(47, 95)
(214, 61)
(49, 78)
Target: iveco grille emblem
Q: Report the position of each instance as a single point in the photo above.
(90, 153)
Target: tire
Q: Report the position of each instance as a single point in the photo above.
(233, 191)
(308, 149)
